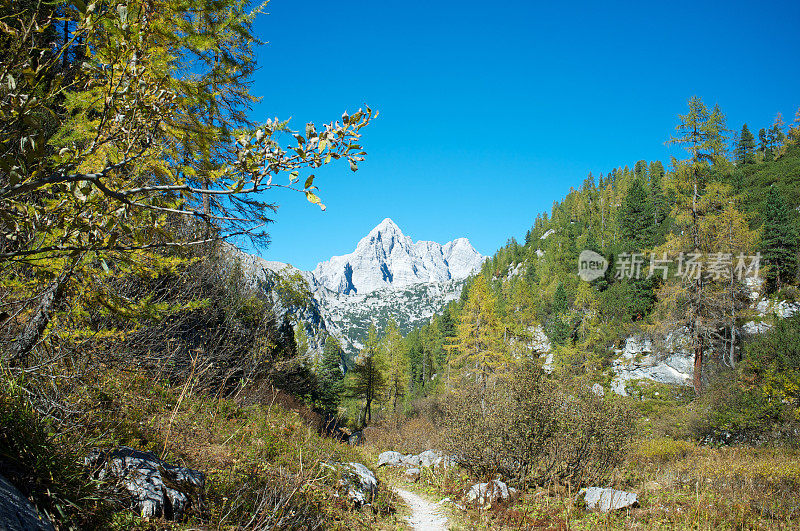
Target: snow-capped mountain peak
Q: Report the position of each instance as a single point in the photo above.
(388, 258)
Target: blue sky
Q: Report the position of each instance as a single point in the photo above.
(490, 112)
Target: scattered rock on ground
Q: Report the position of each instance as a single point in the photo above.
(412, 460)
(389, 458)
(157, 488)
(598, 389)
(17, 513)
(412, 474)
(426, 459)
(607, 499)
(490, 492)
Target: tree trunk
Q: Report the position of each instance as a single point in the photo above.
(32, 333)
(698, 366)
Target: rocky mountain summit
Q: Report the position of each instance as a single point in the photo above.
(387, 258)
(387, 276)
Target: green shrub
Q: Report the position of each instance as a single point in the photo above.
(764, 404)
(534, 431)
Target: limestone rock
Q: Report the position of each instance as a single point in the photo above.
(607, 500)
(412, 460)
(361, 483)
(390, 458)
(427, 458)
(157, 489)
(386, 257)
(490, 492)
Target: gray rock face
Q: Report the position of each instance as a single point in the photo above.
(428, 458)
(483, 493)
(388, 258)
(607, 500)
(412, 460)
(157, 488)
(781, 309)
(17, 513)
(638, 361)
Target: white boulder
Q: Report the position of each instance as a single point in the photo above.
(490, 492)
(389, 458)
(607, 500)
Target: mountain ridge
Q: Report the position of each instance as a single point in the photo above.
(387, 276)
(386, 257)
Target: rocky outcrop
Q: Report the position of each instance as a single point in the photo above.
(607, 500)
(780, 309)
(348, 317)
(17, 513)
(390, 458)
(386, 276)
(638, 361)
(156, 488)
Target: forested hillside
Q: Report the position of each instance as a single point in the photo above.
(680, 241)
(644, 336)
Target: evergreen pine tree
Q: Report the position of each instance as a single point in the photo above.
(640, 170)
(636, 216)
(779, 243)
(330, 376)
(657, 198)
(368, 380)
(764, 145)
(745, 149)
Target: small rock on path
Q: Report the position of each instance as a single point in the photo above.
(425, 516)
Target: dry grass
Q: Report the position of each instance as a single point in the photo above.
(413, 435)
(261, 457)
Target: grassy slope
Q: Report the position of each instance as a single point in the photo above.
(261, 456)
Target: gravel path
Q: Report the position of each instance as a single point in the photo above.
(425, 516)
